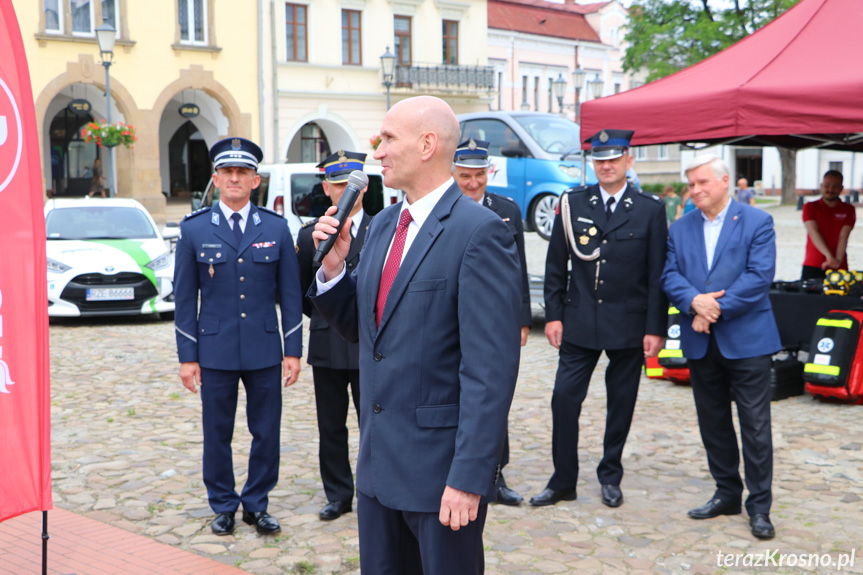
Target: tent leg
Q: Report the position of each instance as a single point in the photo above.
(45, 538)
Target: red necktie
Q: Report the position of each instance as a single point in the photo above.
(391, 268)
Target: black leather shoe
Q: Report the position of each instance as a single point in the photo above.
(223, 524)
(335, 509)
(761, 526)
(264, 523)
(506, 496)
(550, 496)
(612, 495)
(714, 508)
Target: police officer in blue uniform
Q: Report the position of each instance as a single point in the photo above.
(241, 259)
(335, 362)
(470, 170)
(614, 237)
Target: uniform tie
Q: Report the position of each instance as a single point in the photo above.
(238, 231)
(608, 210)
(391, 268)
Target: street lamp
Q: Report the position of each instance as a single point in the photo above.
(578, 76)
(558, 88)
(596, 87)
(388, 64)
(106, 35)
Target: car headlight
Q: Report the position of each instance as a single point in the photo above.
(573, 172)
(57, 267)
(160, 262)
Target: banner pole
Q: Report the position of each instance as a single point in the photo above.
(45, 538)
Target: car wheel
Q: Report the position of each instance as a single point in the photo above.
(542, 214)
(166, 316)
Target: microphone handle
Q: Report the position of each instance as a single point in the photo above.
(349, 197)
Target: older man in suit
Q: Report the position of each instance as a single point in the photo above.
(335, 362)
(435, 305)
(721, 261)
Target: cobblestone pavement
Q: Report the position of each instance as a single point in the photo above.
(127, 451)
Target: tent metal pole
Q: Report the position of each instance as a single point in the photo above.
(45, 538)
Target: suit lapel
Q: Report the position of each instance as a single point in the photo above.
(732, 217)
(357, 242)
(597, 208)
(621, 212)
(223, 229)
(374, 256)
(421, 245)
(697, 233)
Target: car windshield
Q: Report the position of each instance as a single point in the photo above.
(98, 223)
(554, 135)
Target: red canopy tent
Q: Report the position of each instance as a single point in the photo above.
(797, 83)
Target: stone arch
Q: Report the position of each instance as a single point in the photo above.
(339, 132)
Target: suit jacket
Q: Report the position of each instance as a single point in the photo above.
(326, 347)
(237, 327)
(744, 263)
(614, 305)
(437, 377)
(511, 215)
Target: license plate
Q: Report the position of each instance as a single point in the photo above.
(110, 294)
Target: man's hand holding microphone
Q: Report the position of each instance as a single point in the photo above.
(332, 237)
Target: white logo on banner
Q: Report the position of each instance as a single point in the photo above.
(825, 345)
(674, 331)
(5, 378)
(10, 150)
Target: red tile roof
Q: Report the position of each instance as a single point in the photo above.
(541, 18)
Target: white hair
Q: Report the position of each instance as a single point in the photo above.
(719, 167)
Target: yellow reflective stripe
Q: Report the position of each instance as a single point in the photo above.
(825, 369)
(670, 353)
(654, 372)
(673, 310)
(844, 323)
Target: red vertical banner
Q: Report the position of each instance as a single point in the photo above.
(25, 416)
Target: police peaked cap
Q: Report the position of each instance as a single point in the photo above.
(236, 152)
(472, 154)
(609, 144)
(337, 167)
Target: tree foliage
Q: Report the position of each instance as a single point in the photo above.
(665, 36)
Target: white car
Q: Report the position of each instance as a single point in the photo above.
(107, 257)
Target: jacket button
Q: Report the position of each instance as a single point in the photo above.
(601, 282)
(267, 258)
(599, 301)
(243, 315)
(242, 278)
(242, 296)
(239, 261)
(376, 408)
(604, 241)
(378, 356)
(202, 330)
(707, 282)
(603, 261)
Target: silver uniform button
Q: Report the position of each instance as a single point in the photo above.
(599, 301)
(604, 241)
(239, 261)
(243, 315)
(242, 296)
(242, 278)
(218, 254)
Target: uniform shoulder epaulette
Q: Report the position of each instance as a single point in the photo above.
(198, 212)
(651, 196)
(310, 223)
(576, 190)
(269, 211)
(506, 199)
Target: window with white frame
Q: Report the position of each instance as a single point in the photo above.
(110, 13)
(639, 152)
(663, 152)
(82, 17)
(53, 16)
(193, 21)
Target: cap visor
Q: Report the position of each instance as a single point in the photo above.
(472, 163)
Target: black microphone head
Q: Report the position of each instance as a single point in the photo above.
(358, 179)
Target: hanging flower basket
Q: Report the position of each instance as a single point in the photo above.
(375, 141)
(109, 135)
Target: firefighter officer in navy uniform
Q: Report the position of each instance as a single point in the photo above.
(240, 258)
(470, 170)
(614, 237)
(335, 362)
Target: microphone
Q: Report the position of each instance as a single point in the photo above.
(357, 181)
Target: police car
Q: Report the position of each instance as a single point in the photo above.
(107, 257)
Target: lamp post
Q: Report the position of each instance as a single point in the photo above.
(558, 87)
(388, 64)
(596, 86)
(578, 76)
(106, 35)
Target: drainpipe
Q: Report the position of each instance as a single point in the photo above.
(276, 148)
(261, 67)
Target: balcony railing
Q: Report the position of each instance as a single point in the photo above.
(445, 77)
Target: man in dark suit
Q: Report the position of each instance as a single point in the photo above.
(721, 261)
(334, 361)
(240, 258)
(435, 305)
(470, 170)
(614, 238)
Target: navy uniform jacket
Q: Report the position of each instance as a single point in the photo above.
(614, 306)
(237, 327)
(326, 347)
(511, 215)
(438, 376)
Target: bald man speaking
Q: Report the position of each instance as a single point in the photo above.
(435, 304)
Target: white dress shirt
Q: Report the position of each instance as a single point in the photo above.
(616, 195)
(244, 215)
(712, 231)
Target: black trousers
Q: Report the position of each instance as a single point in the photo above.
(812, 273)
(713, 380)
(574, 369)
(394, 542)
(332, 401)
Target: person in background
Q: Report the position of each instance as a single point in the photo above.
(686, 200)
(97, 182)
(745, 194)
(470, 170)
(673, 204)
(828, 222)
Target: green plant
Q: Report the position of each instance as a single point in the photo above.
(175, 395)
(109, 135)
(130, 412)
(305, 567)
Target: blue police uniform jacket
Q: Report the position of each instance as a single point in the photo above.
(237, 327)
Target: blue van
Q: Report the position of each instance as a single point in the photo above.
(534, 158)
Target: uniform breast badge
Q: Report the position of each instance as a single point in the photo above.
(591, 231)
(583, 240)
